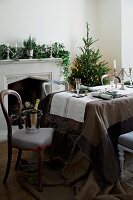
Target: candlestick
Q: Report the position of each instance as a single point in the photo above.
(130, 76)
(130, 71)
(57, 49)
(122, 78)
(51, 50)
(8, 51)
(115, 73)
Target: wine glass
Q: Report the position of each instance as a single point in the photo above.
(112, 81)
(78, 82)
(131, 81)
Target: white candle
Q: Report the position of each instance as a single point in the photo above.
(16, 46)
(50, 44)
(8, 45)
(114, 61)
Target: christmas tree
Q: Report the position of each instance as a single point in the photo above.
(88, 66)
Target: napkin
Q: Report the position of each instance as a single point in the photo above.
(102, 95)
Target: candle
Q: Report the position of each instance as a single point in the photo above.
(114, 64)
(8, 45)
(50, 44)
(16, 46)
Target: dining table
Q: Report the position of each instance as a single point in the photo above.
(87, 127)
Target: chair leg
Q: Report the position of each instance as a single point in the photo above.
(8, 164)
(121, 159)
(40, 164)
(18, 158)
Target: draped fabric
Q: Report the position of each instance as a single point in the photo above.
(89, 150)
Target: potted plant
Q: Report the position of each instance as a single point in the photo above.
(29, 45)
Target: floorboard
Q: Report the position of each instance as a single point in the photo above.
(12, 190)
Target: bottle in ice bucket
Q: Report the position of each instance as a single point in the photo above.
(36, 105)
(32, 117)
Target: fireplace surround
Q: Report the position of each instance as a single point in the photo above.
(14, 71)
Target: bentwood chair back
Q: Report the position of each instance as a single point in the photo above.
(35, 140)
(106, 77)
(54, 86)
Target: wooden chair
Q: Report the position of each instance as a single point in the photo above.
(125, 143)
(53, 85)
(22, 139)
(109, 76)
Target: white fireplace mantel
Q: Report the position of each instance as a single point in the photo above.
(24, 61)
(12, 71)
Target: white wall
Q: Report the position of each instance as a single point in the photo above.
(82, 12)
(65, 21)
(127, 34)
(109, 30)
(47, 20)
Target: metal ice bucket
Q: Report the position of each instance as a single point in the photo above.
(32, 118)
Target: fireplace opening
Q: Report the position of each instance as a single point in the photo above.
(29, 89)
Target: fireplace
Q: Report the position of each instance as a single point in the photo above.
(29, 89)
(26, 76)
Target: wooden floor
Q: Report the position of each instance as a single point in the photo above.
(12, 190)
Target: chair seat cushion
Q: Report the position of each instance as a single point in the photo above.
(32, 139)
(126, 140)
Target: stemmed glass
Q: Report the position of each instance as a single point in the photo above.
(131, 81)
(112, 80)
(78, 82)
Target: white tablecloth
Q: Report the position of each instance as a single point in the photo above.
(64, 104)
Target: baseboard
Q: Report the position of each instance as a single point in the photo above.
(3, 135)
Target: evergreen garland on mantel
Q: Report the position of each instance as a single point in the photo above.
(40, 52)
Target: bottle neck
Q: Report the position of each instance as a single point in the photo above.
(36, 104)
